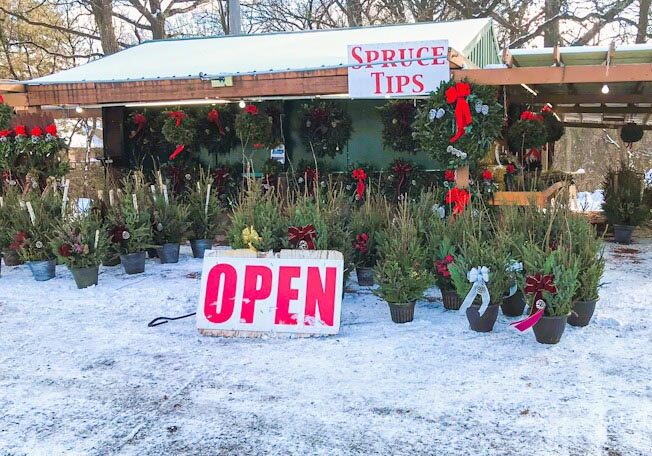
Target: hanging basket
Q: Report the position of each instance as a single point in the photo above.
(631, 133)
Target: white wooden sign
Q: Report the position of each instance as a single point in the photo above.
(296, 292)
(408, 69)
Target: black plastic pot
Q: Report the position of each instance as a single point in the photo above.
(365, 276)
(85, 277)
(199, 246)
(168, 253)
(111, 260)
(134, 263)
(513, 306)
(12, 258)
(451, 300)
(42, 270)
(549, 330)
(402, 313)
(623, 234)
(484, 323)
(582, 312)
(151, 252)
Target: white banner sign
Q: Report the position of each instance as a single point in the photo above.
(267, 295)
(397, 69)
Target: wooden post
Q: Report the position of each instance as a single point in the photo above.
(462, 177)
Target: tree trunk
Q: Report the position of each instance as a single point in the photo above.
(551, 33)
(157, 21)
(354, 13)
(103, 15)
(643, 20)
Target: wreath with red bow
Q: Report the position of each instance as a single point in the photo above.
(216, 128)
(397, 117)
(253, 127)
(527, 132)
(325, 128)
(463, 115)
(178, 129)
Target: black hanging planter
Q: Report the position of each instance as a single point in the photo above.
(631, 133)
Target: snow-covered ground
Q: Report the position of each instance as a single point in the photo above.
(81, 373)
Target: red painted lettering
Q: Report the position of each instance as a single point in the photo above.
(372, 56)
(438, 53)
(388, 57)
(257, 286)
(220, 276)
(402, 56)
(377, 75)
(357, 57)
(286, 294)
(320, 295)
(419, 54)
(401, 82)
(417, 79)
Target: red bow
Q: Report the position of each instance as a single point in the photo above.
(529, 115)
(402, 169)
(177, 151)
(360, 176)
(534, 155)
(308, 234)
(178, 116)
(459, 197)
(360, 243)
(214, 117)
(457, 94)
(538, 283)
(140, 120)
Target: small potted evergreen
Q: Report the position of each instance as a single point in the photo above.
(623, 202)
(131, 233)
(445, 256)
(400, 270)
(31, 239)
(80, 244)
(169, 227)
(206, 217)
(369, 219)
(590, 260)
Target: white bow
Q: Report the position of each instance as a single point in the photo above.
(513, 267)
(479, 277)
(458, 153)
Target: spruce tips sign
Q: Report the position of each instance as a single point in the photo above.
(297, 292)
(397, 69)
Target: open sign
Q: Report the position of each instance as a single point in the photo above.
(397, 69)
(298, 292)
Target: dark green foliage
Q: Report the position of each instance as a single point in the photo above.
(623, 197)
(216, 132)
(525, 134)
(554, 128)
(325, 127)
(6, 114)
(397, 117)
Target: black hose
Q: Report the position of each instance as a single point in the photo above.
(162, 320)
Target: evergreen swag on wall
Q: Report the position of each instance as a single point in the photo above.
(325, 127)
(397, 117)
(436, 125)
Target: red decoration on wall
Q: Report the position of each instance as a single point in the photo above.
(401, 169)
(457, 94)
(214, 117)
(177, 151)
(140, 120)
(360, 176)
(178, 116)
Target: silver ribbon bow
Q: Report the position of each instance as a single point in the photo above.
(458, 153)
(479, 277)
(514, 266)
(436, 113)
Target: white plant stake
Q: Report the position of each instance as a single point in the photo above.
(153, 189)
(135, 201)
(160, 179)
(208, 198)
(165, 194)
(97, 238)
(2, 202)
(111, 197)
(64, 202)
(100, 195)
(479, 277)
(30, 210)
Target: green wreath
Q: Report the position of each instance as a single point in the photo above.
(216, 128)
(179, 127)
(554, 128)
(254, 127)
(325, 128)
(435, 125)
(397, 117)
(527, 132)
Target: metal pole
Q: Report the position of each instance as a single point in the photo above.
(235, 27)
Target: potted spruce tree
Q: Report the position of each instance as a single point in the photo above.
(130, 231)
(369, 219)
(551, 275)
(590, 261)
(80, 243)
(481, 265)
(444, 257)
(623, 202)
(30, 240)
(169, 227)
(205, 213)
(400, 271)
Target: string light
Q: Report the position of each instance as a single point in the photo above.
(605, 89)
(242, 104)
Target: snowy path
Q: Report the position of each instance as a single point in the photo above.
(80, 373)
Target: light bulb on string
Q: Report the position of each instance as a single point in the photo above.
(605, 89)
(242, 104)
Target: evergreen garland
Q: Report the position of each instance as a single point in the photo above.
(397, 117)
(434, 125)
(325, 127)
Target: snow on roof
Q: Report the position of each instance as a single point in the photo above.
(264, 53)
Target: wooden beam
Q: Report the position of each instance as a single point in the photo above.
(16, 100)
(11, 86)
(614, 126)
(567, 98)
(604, 109)
(507, 58)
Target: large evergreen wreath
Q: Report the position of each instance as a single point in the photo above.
(397, 117)
(435, 123)
(216, 128)
(179, 127)
(527, 132)
(253, 127)
(554, 128)
(325, 127)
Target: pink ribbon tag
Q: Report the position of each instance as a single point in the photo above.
(527, 323)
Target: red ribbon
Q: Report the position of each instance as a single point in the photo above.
(177, 151)
(527, 323)
(529, 115)
(402, 169)
(140, 120)
(360, 243)
(214, 117)
(307, 233)
(359, 175)
(538, 283)
(534, 154)
(459, 198)
(220, 176)
(178, 116)
(457, 94)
